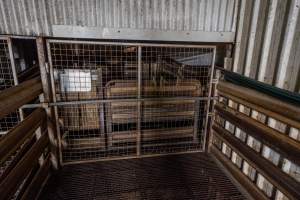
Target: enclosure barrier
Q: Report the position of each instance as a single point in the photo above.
(24, 153)
(256, 138)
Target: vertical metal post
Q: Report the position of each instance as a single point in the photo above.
(14, 71)
(209, 99)
(52, 85)
(196, 120)
(47, 95)
(139, 106)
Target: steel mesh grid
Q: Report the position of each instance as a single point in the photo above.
(117, 99)
(189, 176)
(6, 81)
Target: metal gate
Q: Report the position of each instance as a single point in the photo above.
(8, 78)
(120, 100)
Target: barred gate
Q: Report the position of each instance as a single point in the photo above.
(116, 100)
(7, 79)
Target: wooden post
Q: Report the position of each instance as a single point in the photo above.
(47, 97)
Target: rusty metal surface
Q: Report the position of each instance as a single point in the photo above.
(189, 176)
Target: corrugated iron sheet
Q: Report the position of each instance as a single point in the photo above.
(268, 42)
(36, 17)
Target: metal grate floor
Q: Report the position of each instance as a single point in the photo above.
(188, 176)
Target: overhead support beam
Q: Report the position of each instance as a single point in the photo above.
(280, 142)
(69, 31)
(285, 183)
(238, 175)
(13, 98)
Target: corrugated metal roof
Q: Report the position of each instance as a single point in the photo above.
(36, 17)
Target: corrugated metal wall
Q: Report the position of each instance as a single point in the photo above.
(36, 17)
(267, 46)
(268, 42)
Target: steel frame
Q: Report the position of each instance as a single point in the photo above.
(139, 98)
(19, 114)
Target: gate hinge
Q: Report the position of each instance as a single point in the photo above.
(214, 81)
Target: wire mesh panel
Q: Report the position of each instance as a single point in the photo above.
(6, 81)
(129, 99)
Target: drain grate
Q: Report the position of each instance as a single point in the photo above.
(189, 176)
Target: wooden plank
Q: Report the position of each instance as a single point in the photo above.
(13, 98)
(260, 99)
(275, 175)
(17, 136)
(151, 135)
(11, 183)
(238, 175)
(39, 179)
(19, 155)
(84, 143)
(280, 142)
(288, 121)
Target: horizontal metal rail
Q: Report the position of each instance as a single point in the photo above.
(130, 44)
(99, 101)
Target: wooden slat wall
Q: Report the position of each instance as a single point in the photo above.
(29, 168)
(279, 141)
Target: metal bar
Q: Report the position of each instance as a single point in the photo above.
(14, 71)
(63, 103)
(130, 44)
(238, 175)
(139, 108)
(282, 143)
(12, 61)
(209, 99)
(131, 157)
(13, 98)
(71, 31)
(47, 97)
(52, 85)
(275, 175)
